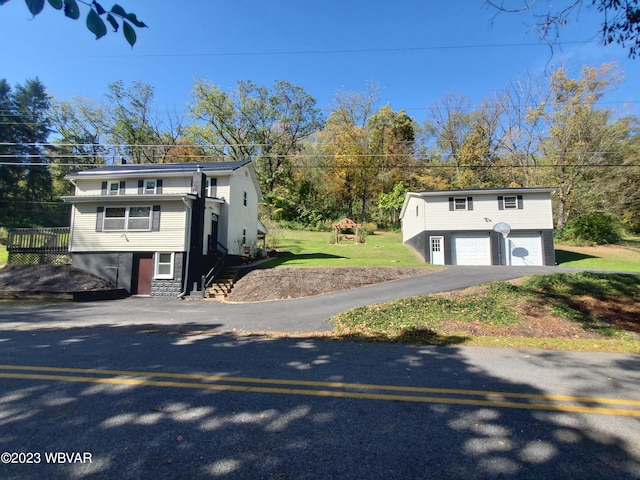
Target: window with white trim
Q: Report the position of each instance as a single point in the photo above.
(245, 200)
(244, 236)
(212, 187)
(126, 219)
(114, 188)
(460, 203)
(510, 202)
(150, 186)
(164, 265)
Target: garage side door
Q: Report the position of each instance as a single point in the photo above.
(525, 249)
(471, 250)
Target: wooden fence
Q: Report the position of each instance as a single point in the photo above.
(36, 246)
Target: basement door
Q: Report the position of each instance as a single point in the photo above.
(143, 273)
(437, 250)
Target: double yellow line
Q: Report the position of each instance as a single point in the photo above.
(480, 398)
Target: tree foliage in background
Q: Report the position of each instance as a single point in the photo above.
(81, 125)
(98, 18)
(138, 132)
(26, 193)
(620, 18)
(266, 125)
(581, 138)
(550, 132)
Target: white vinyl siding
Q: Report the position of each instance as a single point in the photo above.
(412, 225)
(171, 236)
(535, 215)
(237, 216)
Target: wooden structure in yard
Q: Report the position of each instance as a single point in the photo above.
(38, 246)
(346, 224)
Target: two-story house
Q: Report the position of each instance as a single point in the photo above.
(512, 226)
(156, 229)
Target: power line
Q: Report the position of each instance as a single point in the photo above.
(332, 51)
(419, 164)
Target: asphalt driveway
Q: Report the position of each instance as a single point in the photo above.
(297, 315)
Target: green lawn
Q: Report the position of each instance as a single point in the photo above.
(506, 314)
(313, 249)
(4, 255)
(625, 257)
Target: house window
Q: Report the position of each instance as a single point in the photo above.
(212, 187)
(164, 265)
(244, 236)
(436, 245)
(510, 203)
(139, 218)
(114, 218)
(417, 211)
(150, 186)
(126, 219)
(114, 188)
(460, 203)
(245, 201)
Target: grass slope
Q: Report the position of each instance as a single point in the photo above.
(572, 311)
(313, 249)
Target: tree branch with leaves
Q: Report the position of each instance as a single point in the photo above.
(97, 17)
(620, 22)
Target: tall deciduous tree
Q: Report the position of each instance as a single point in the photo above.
(140, 134)
(581, 137)
(479, 154)
(449, 125)
(266, 125)
(522, 128)
(391, 141)
(82, 127)
(620, 194)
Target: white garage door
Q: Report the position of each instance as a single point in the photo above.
(471, 250)
(525, 249)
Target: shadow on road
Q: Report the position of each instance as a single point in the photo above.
(289, 427)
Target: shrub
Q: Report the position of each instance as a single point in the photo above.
(369, 228)
(594, 227)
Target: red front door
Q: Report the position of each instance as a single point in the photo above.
(144, 274)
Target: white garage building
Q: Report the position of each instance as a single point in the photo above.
(512, 226)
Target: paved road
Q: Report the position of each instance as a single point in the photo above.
(125, 393)
(145, 404)
(300, 315)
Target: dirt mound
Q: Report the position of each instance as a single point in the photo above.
(296, 282)
(50, 278)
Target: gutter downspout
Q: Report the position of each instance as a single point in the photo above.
(72, 222)
(185, 280)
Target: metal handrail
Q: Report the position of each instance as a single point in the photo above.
(207, 279)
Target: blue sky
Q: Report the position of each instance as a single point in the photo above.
(416, 51)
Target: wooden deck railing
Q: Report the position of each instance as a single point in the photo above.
(38, 245)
